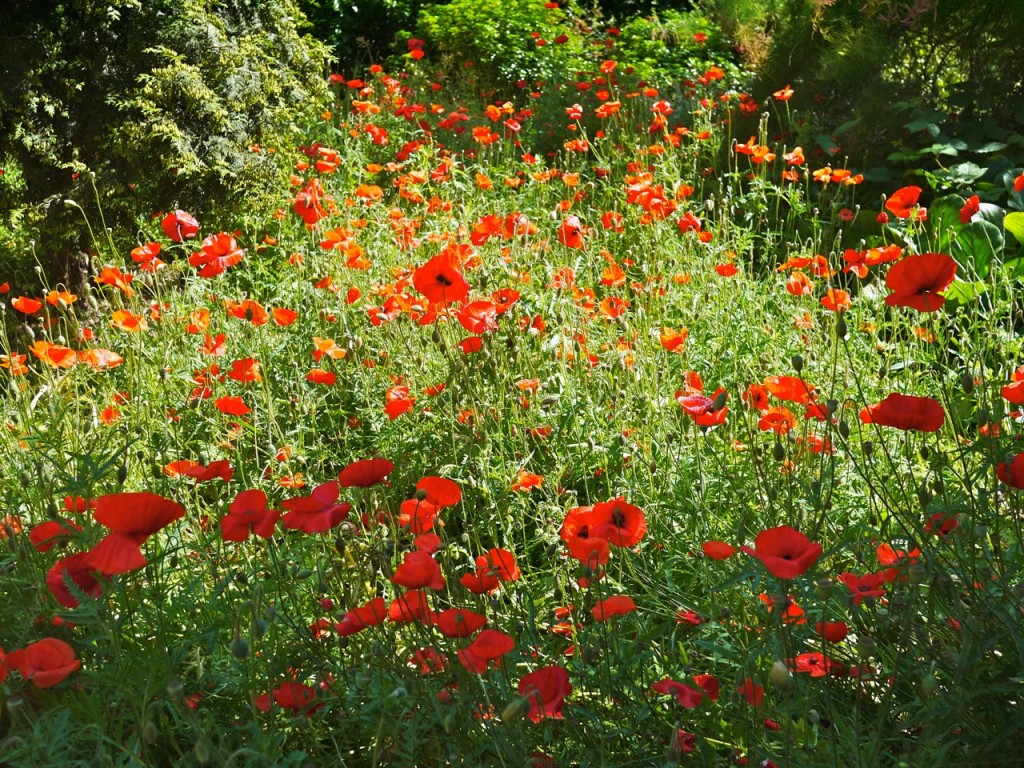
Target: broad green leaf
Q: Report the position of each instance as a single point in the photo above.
(1014, 224)
(977, 245)
(963, 291)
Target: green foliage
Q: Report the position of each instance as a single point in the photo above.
(363, 32)
(662, 47)
(159, 101)
(505, 41)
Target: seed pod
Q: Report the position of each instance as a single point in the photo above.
(798, 363)
(780, 675)
(240, 648)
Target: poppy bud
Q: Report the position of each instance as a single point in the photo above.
(844, 430)
(967, 383)
(868, 447)
(779, 451)
(831, 406)
(798, 363)
(865, 646)
(925, 453)
(421, 494)
(779, 675)
(339, 545)
(823, 588)
(841, 328)
(719, 402)
(240, 648)
(449, 722)
(259, 628)
(202, 751)
(122, 474)
(515, 709)
(150, 733)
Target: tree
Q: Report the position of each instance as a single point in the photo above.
(163, 103)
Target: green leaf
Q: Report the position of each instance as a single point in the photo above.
(1014, 224)
(978, 244)
(963, 291)
(846, 126)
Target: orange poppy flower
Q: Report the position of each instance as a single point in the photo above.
(26, 305)
(440, 279)
(917, 280)
(218, 253)
(903, 202)
(906, 412)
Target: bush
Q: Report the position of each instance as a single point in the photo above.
(163, 102)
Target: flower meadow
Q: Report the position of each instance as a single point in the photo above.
(607, 426)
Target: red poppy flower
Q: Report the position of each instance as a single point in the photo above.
(414, 605)
(47, 535)
(298, 697)
(365, 473)
(418, 571)
(789, 388)
(132, 518)
(490, 645)
(501, 563)
(868, 585)
(471, 344)
(478, 317)
(902, 202)
(687, 696)
(79, 570)
(248, 514)
(232, 406)
(1012, 473)
(616, 605)
(784, 551)
(545, 689)
(832, 631)
(318, 512)
(906, 412)
(710, 685)
(179, 226)
(570, 232)
(215, 469)
(440, 491)
(459, 622)
(45, 662)
(218, 252)
(428, 661)
(417, 515)
(440, 279)
(815, 664)
(916, 281)
(26, 305)
(622, 524)
(358, 619)
(751, 692)
(971, 206)
(718, 550)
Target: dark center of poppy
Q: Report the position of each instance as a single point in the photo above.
(249, 314)
(618, 519)
(444, 281)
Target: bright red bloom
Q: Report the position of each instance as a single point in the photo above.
(902, 202)
(46, 535)
(417, 515)
(710, 685)
(418, 571)
(971, 206)
(501, 563)
(868, 585)
(814, 663)
(79, 570)
(832, 631)
(784, 551)
(292, 695)
(318, 512)
(45, 662)
(215, 469)
(232, 406)
(751, 692)
(917, 280)
(616, 605)
(132, 518)
(248, 514)
(790, 388)
(478, 317)
(687, 696)
(414, 605)
(365, 473)
(906, 412)
(620, 523)
(440, 491)
(428, 661)
(179, 226)
(440, 279)
(218, 252)
(358, 619)
(718, 550)
(459, 622)
(490, 645)
(570, 232)
(1012, 473)
(545, 689)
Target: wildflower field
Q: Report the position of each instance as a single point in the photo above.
(606, 424)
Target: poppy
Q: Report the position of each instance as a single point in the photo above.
(440, 491)
(45, 662)
(54, 355)
(1012, 392)
(815, 664)
(868, 585)
(218, 253)
(179, 226)
(832, 631)
(480, 582)
(1012, 472)
(358, 619)
(428, 661)
(789, 388)
(751, 692)
(248, 514)
(440, 279)
(418, 570)
(687, 696)
(115, 277)
(216, 469)
(470, 345)
(232, 406)
(490, 645)
(906, 412)
(917, 280)
(478, 317)
(570, 232)
(320, 376)
(622, 524)
(318, 512)
(545, 689)
(414, 605)
(77, 569)
(673, 340)
(902, 202)
(459, 622)
(365, 473)
(526, 480)
(417, 515)
(778, 420)
(26, 305)
(710, 685)
(501, 563)
(47, 535)
(718, 550)
(616, 605)
(784, 551)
